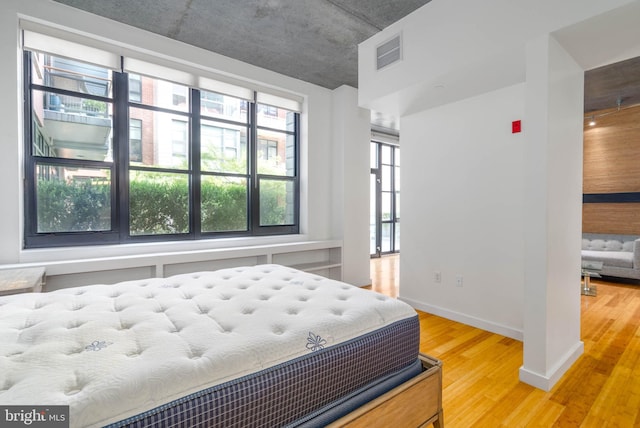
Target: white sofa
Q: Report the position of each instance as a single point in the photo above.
(620, 254)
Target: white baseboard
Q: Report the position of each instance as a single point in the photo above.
(548, 380)
(465, 319)
(541, 381)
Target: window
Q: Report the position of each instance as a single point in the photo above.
(268, 110)
(116, 157)
(135, 140)
(135, 88)
(277, 175)
(267, 149)
(179, 139)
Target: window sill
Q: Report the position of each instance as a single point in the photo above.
(149, 249)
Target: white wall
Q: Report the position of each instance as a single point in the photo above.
(351, 171)
(10, 129)
(462, 211)
(316, 145)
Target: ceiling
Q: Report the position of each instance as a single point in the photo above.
(311, 40)
(605, 86)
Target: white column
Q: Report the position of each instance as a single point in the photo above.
(351, 170)
(553, 212)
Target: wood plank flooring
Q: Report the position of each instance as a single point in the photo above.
(480, 376)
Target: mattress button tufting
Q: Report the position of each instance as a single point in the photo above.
(195, 355)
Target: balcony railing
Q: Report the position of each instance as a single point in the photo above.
(76, 105)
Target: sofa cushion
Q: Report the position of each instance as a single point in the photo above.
(628, 246)
(610, 258)
(606, 245)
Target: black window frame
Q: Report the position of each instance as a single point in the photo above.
(121, 167)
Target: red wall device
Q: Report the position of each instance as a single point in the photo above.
(516, 127)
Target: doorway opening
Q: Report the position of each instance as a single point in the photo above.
(384, 218)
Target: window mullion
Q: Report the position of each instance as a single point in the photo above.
(121, 153)
(254, 197)
(195, 208)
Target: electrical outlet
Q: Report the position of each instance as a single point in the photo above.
(458, 280)
(437, 276)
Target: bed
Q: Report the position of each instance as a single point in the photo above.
(264, 345)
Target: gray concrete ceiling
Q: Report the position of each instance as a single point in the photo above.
(312, 40)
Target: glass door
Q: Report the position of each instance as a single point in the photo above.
(384, 221)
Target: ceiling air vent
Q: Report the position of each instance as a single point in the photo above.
(389, 52)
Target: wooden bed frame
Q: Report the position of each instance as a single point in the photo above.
(415, 403)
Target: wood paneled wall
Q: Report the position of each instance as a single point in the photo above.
(612, 165)
(623, 219)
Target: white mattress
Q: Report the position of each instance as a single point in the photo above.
(113, 351)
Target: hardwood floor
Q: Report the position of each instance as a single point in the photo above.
(385, 275)
(480, 369)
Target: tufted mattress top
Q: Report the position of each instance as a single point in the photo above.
(112, 351)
